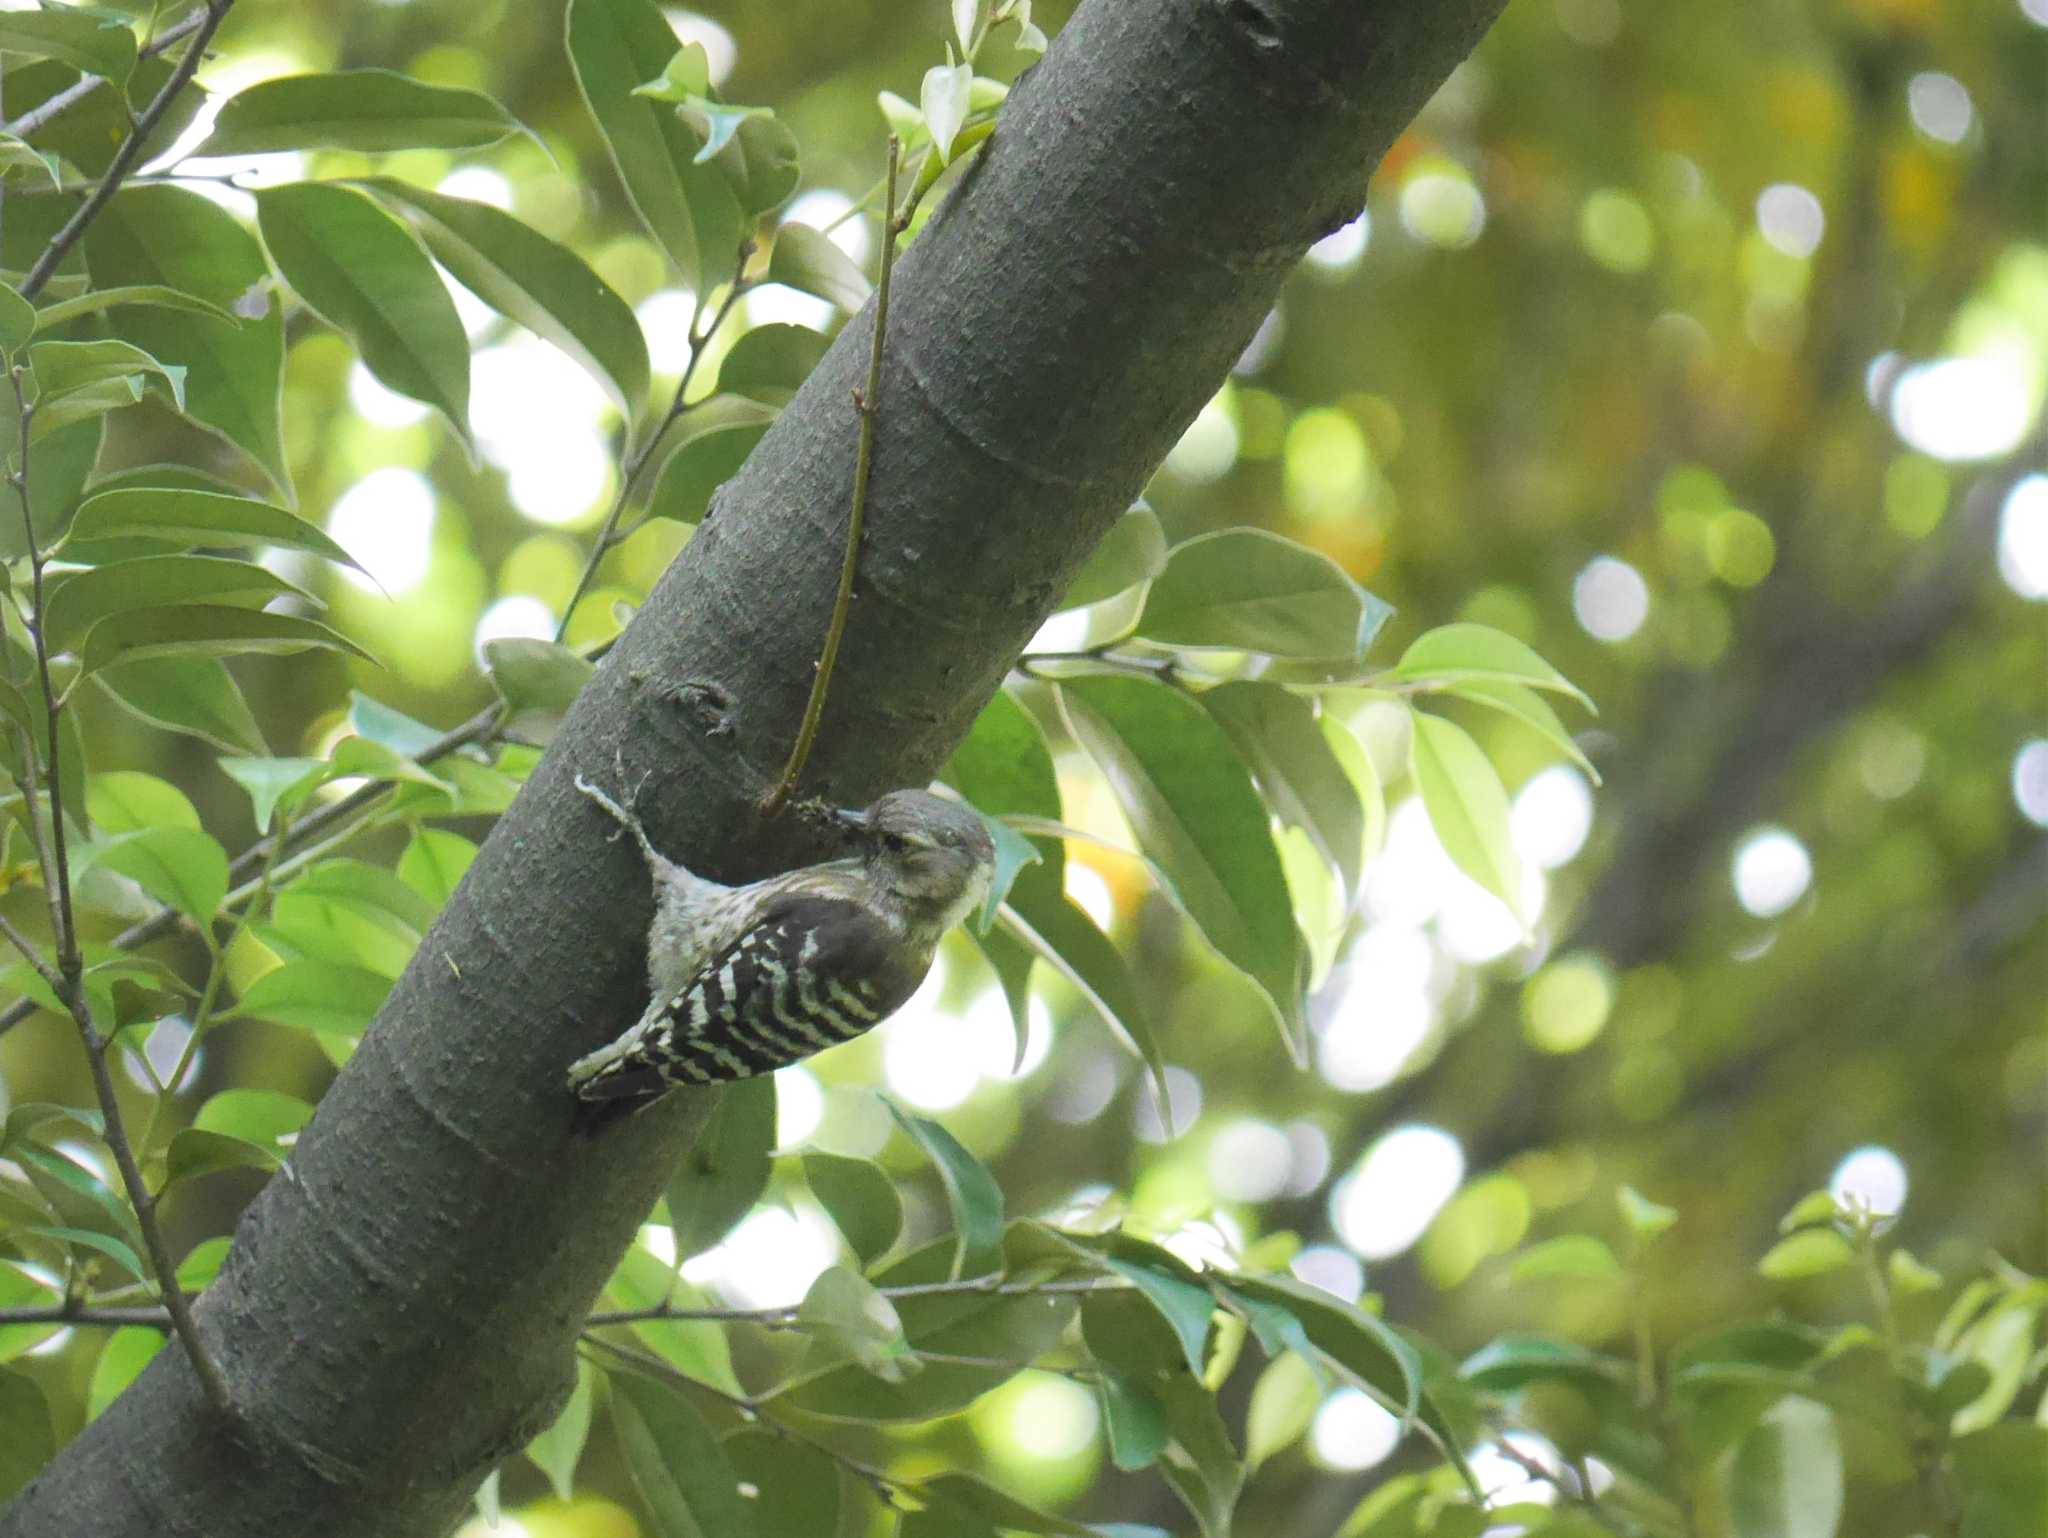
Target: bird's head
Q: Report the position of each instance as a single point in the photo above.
(935, 855)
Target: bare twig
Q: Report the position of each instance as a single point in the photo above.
(867, 403)
(42, 115)
(608, 536)
(774, 1318)
(64, 977)
(130, 150)
(79, 1313)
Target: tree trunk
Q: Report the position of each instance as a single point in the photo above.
(400, 1308)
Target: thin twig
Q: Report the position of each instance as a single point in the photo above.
(64, 978)
(629, 472)
(66, 936)
(211, 1382)
(130, 150)
(78, 1313)
(788, 1313)
(42, 115)
(867, 403)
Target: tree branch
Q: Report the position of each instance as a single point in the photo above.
(40, 117)
(439, 1211)
(130, 150)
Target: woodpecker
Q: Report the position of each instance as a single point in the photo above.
(748, 979)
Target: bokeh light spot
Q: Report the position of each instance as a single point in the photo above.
(386, 521)
(1791, 219)
(516, 617)
(1610, 599)
(1442, 207)
(1871, 1177)
(1772, 872)
(2023, 538)
(1351, 1432)
(1940, 106)
(1566, 1004)
(1551, 816)
(1249, 1161)
(1384, 1204)
(2030, 781)
(1615, 229)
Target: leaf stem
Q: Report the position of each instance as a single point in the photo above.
(130, 151)
(867, 403)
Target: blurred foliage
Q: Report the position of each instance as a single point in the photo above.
(1695, 361)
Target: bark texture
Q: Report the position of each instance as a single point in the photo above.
(400, 1308)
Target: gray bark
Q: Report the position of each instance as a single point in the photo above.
(400, 1310)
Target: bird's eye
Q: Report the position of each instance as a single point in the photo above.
(895, 843)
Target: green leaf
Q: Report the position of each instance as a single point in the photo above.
(1284, 1400)
(1579, 1256)
(1459, 653)
(264, 1117)
(1813, 1207)
(1252, 590)
(706, 449)
(434, 862)
(768, 363)
(1001, 1334)
(1786, 1478)
(319, 995)
(1810, 1252)
(972, 1194)
(845, 1311)
(1132, 552)
(181, 868)
(93, 45)
(364, 273)
(126, 1352)
(536, 675)
(193, 695)
(275, 782)
(19, 157)
(796, 1485)
(205, 630)
(861, 1200)
(1066, 939)
(22, 1119)
(726, 1170)
(27, 1441)
(528, 278)
(64, 311)
(958, 1495)
(372, 111)
(677, 1464)
(81, 599)
(1002, 767)
(1280, 739)
(687, 74)
(120, 1253)
(614, 45)
(184, 517)
(67, 369)
(758, 160)
(557, 1450)
(806, 260)
(17, 321)
(126, 801)
(1646, 1219)
(943, 101)
(1528, 707)
(1170, 1287)
(1134, 1418)
(168, 237)
(369, 890)
(1192, 805)
(1468, 806)
(1356, 1341)
(194, 1152)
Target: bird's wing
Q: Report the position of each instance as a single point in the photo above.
(810, 972)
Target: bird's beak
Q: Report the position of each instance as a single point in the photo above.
(850, 819)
